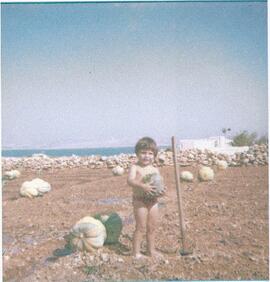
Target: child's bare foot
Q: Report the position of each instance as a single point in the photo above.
(155, 254)
(139, 256)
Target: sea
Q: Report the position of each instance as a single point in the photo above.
(69, 152)
(108, 151)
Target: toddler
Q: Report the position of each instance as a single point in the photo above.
(144, 204)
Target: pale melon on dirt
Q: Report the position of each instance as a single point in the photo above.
(12, 174)
(206, 173)
(104, 218)
(221, 164)
(41, 185)
(87, 234)
(34, 188)
(118, 170)
(186, 176)
(156, 180)
(27, 190)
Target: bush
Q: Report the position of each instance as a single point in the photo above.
(244, 139)
(262, 140)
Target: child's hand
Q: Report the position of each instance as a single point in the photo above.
(162, 193)
(149, 189)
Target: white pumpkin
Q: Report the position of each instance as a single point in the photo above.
(186, 176)
(34, 188)
(41, 185)
(222, 165)
(206, 173)
(88, 233)
(104, 218)
(12, 174)
(118, 170)
(27, 190)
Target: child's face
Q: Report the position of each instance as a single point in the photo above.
(145, 157)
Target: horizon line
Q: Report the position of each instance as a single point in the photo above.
(73, 148)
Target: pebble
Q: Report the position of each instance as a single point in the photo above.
(91, 258)
(105, 257)
(120, 260)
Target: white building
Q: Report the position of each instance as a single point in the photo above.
(217, 143)
(207, 143)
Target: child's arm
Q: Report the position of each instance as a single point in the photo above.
(135, 181)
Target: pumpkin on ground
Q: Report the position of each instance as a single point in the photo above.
(87, 234)
(206, 173)
(221, 164)
(12, 174)
(34, 188)
(118, 170)
(113, 224)
(28, 191)
(186, 176)
(41, 185)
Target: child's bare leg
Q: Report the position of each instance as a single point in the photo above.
(140, 213)
(152, 222)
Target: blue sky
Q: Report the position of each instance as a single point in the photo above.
(106, 74)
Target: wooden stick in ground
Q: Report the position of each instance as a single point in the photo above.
(179, 198)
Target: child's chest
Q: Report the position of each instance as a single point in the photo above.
(143, 171)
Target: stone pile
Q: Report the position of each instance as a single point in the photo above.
(45, 162)
(256, 155)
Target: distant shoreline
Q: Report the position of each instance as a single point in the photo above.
(66, 152)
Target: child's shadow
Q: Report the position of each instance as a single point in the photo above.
(119, 249)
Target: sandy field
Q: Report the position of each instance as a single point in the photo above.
(226, 227)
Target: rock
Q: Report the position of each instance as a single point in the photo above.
(245, 161)
(162, 158)
(120, 260)
(104, 257)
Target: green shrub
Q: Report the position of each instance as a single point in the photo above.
(262, 140)
(244, 139)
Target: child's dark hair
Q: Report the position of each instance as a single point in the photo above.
(146, 143)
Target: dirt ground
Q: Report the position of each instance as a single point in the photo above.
(226, 227)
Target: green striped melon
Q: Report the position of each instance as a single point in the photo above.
(157, 180)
